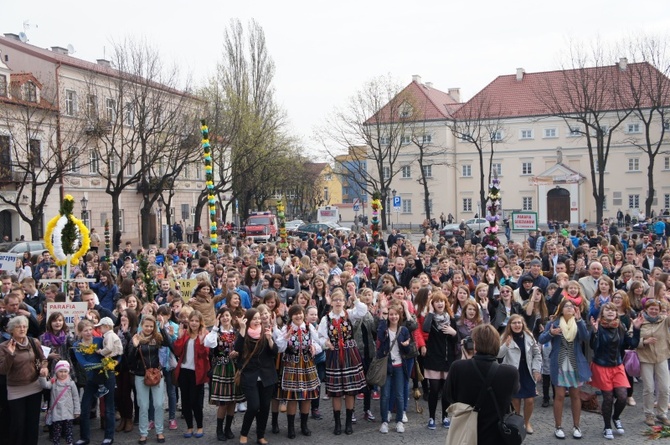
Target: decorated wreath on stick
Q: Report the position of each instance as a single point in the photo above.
(491, 241)
(376, 205)
(282, 224)
(209, 182)
(67, 237)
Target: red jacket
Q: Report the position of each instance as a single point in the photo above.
(201, 358)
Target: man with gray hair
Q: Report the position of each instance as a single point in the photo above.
(589, 283)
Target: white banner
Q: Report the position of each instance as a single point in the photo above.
(69, 310)
(8, 262)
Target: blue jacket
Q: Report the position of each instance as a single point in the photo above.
(106, 295)
(583, 370)
(384, 344)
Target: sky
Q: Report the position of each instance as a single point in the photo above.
(326, 51)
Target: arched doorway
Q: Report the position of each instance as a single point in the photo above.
(558, 205)
(6, 224)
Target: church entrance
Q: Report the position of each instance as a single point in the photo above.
(558, 205)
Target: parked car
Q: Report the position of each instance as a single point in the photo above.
(294, 224)
(23, 246)
(450, 230)
(473, 224)
(304, 230)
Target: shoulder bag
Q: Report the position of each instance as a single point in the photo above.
(511, 425)
(378, 368)
(48, 418)
(238, 373)
(152, 376)
(631, 362)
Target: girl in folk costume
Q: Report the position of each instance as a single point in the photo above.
(223, 391)
(300, 382)
(344, 370)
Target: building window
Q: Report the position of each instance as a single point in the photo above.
(110, 109)
(386, 172)
(405, 140)
(30, 92)
(666, 124)
(328, 177)
(130, 169)
(5, 153)
(326, 197)
(666, 201)
(35, 153)
(92, 106)
(634, 165)
(74, 162)
(605, 130)
(574, 132)
(633, 201)
(121, 219)
(605, 202)
(187, 173)
(406, 171)
(427, 138)
(527, 203)
(465, 137)
(526, 134)
(70, 102)
(467, 171)
(384, 140)
(94, 162)
(497, 136)
(467, 204)
(406, 205)
(550, 133)
(666, 163)
(496, 168)
(633, 128)
(129, 114)
(526, 168)
(428, 171)
(198, 174)
(113, 165)
(3, 85)
(617, 199)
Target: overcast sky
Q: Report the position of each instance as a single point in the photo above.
(325, 51)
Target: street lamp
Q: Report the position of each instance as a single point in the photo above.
(84, 211)
(159, 236)
(393, 192)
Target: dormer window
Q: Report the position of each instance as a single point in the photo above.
(405, 111)
(30, 92)
(3, 85)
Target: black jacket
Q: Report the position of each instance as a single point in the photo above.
(137, 363)
(464, 385)
(262, 364)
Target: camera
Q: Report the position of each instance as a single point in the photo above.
(468, 344)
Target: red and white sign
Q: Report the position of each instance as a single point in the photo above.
(524, 221)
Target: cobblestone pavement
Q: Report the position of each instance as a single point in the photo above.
(415, 430)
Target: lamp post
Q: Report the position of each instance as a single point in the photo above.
(84, 211)
(393, 192)
(160, 221)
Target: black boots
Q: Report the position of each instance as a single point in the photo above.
(348, 428)
(290, 418)
(303, 425)
(219, 430)
(275, 423)
(227, 431)
(338, 423)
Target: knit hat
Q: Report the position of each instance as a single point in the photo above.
(62, 364)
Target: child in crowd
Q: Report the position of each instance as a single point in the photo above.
(111, 347)
(65, 406)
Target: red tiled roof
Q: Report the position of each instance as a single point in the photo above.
(16, 80)
(315, 168)
(532, 95)
(432, 104)
(21, 78)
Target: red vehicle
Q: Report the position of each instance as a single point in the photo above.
(261, 226)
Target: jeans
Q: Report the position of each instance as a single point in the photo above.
(258, 407)
(658, 373)
(144, 393)
(393, 392)
(171, 390)
(90, 391)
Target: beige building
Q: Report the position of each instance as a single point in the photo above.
(101, 123)
(541, 159)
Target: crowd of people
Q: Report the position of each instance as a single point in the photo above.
(277, 328)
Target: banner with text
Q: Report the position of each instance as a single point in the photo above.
(69, 311)
(524, 221)
(8, 262)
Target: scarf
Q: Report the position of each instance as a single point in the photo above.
(254, 333)
(569, 328)
(469, 324)
(51, 340)
(609, 324)
(651, 319)
(577, 300)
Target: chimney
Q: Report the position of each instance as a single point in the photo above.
(623, 63)
(455, 94)
(59, 50)
(429, 84)
(12, 36)
(519, 74)
(104, 62)
(416, 78)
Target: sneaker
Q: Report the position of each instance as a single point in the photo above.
(607, 434)
(151, 425)
(631, 401)
(369, 416)
(399, 427)
(316, 414)
(173, 424)
(559, 433)
(446, 422)
(102, 391)
(325, 396)
(45, 406)
(649, 420)
(664, 420)
(618, 426)
(353, 417)
(545, 403)
(360, 396)
(242, 407)
(375, 395)
(576, 432)
(384, 428)
(404, 417)
(431, 424)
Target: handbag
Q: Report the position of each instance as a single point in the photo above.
(238, 374)
(412, 351)
(589, 401)
(48, 418)
(152, 376)
(463, 429)
(38, 357)
(631, 363)
(511, 425)
(378, 369)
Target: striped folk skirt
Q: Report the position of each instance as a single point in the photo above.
(223, 387)
(300, 380)
(344, 371)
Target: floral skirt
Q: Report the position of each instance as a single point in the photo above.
(567, 376)
(300, 380)
(223, 388)
(344, 371)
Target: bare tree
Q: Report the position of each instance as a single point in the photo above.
(480, 123)
(588, 98)
(647, 89)
(39, 148)
(379, 117)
